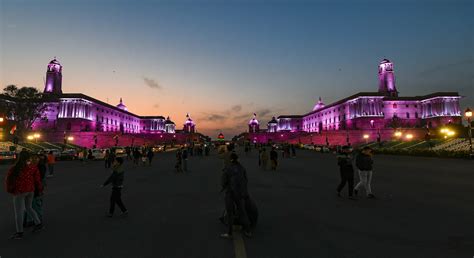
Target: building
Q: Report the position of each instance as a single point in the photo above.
(76, 112)
(383, 109)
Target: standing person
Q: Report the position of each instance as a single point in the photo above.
(111, 157)
(21, 181)
(178, 161)
(344, 160)
(264, 158)
(80, 156)
(129, 153)
(89, 154)
(364, 163)
(150, 155)
(37, 204)
(107, 158)
(136, 156)
(293, 150)
(273, 158)
(260, 156)
(116, 179)
(185, 160)
(234, 182)
(51, 162)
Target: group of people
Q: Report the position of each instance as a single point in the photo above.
(264, 157)
(364, 165)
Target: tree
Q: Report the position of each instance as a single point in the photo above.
(26, 106)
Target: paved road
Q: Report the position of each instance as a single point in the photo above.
(425, 209)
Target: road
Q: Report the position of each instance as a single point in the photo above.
(424, 209)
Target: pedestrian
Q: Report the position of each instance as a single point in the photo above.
(129, 153)
(37, 204)
(264, 159)
(344, 160)
(89, 154)
(150, 155)
(234, 183)
(51, 162)
(364, 163)
(116, 179)
(136, 156)
(179, 158)
(80, 156)
(185, 160)
(107, 159)
(21, 181)
(273, 158)
(293, 151)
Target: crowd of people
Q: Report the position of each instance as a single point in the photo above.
(26, 180)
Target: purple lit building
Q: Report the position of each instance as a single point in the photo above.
(380, 110)
(76, 112)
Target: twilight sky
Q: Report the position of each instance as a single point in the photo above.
(221, 61)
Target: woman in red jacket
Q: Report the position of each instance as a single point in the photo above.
(21, 181)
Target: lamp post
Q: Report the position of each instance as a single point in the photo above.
(468, 115)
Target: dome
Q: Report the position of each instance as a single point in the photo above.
(54, 61)
(254, 120)
(121, 105)
(273, 121)
(188, 120)
(318, 105)
(385, 61)
(168, 121)
(220, 136)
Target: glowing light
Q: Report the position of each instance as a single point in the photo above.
(70, 138)
(451, 133)
(1, 119)
(366, 136)
(467, 113)
(398, 134)
(443, 130)
(30, 137)
(36, 135)
(409, 136)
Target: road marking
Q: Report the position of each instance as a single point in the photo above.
(239, 245)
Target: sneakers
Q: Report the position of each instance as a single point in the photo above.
(38, 227)
(371, 196)
(226, 235)
(17, 236)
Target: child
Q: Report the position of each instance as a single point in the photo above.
(344, 160)
(116, 179)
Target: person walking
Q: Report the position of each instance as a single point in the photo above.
(344, 160)
(116, 179)
(364, 163)
(37, 204)
(179, 158)
(234, 183)
(264, 158)
(136, 156)
(185, 160)
(150, 155)
(273, 158)
(21, 181)
(51, 162)
(293, 151)
(107, 159)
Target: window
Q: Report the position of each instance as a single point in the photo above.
(408, 115)
(406, 105)
(416, 114)
(394, 105)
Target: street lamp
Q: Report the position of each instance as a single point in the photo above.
(468, 115)
(30, 137)
(366, 137)
(2, 119)
(36, 136)
(398, 134)
(409, 136)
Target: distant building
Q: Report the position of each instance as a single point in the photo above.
(373, 110)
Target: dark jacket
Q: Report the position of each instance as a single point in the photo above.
(345, 163)
(273, 155)
(116, 178)
(364, 162)
(234, 181)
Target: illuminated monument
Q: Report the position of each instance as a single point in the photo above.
(370, 111)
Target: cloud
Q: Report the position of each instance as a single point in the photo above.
(156, 105)
(152, 83)
(236, 108)
(215, 118)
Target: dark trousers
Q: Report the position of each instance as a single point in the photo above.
(235, 209)
(348, 177)
(116, 198)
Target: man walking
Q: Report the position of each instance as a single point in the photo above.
(51, 162)
(364, 164)
(234, 183)
(116, 179)
(273, 158)
(344, 160)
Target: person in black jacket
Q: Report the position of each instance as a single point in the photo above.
(364, 163)
(273, 158)
(344, 160)
(116, 179)
(234, 183)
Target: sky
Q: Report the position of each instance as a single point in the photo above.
(222, 61)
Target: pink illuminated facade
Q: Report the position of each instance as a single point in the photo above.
(75, 112)
(380, 110)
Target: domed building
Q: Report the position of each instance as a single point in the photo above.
(254, 125)
(169, 125)
(121, 105)
(318, 105)
(272, 125)
(189, 125)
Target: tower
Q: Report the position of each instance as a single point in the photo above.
(189, 125)
(254, 124)
(53, 78)
(387, 79)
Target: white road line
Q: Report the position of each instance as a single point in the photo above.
(239, 244)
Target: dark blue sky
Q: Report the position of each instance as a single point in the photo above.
(223, 60)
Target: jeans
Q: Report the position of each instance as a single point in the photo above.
(347, 177)
(365, 180)
(22, 202)
(235, 209)
(116, 198)
(51, 169)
